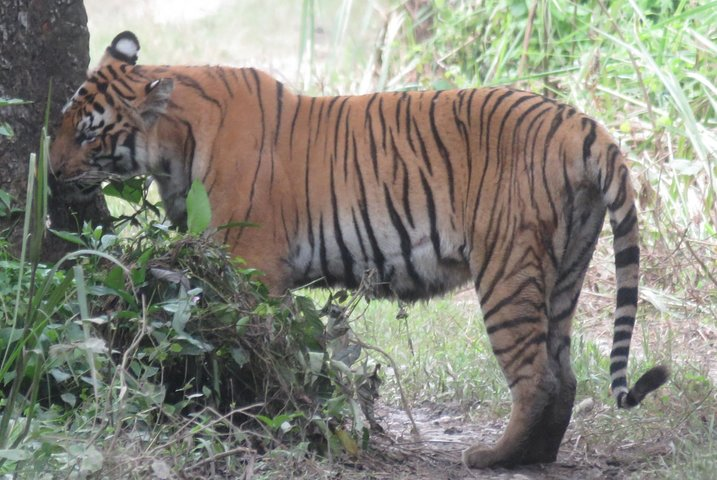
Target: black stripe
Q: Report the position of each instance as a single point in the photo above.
(625, 320)
(626, 225)
(399, 101)
(404, 238)
(484, 129)
(519, 379)
(112, 71)
(407, 197)
(620, 352)
(382, 119)
(331, 105)
(564, 344)
(337, 137)
(622, 190)
(252, 192)
(408, 124)
(463, 130)
(346, 257)
(189, 148)
(629, 256)
(516, 322)
(491, 242)
(322, 254)
(222, 74)
(616, 366)
(377, 256)
(359, 235)
(372, 145)
(431, 207)
(567, 313)
(470, 107)
(612, 153)
(287, 238)
(346, 145)
(619, 336)
(309, 223)
(422, 145)
(442, 150)
(626, 296)
(279, 106)
(589, 138)
(510, 299)
(293, 124)
(554, 125)
(196, 86)
(246, 80)
(523, 342)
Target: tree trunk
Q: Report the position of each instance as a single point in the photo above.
(41, 41)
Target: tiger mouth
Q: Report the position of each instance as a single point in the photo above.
(77, 191)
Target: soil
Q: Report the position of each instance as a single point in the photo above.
(445, 433)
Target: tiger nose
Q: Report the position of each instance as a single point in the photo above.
(58, 171)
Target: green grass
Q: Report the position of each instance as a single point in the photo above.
(440, 349)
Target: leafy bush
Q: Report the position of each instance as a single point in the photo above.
(133, 334)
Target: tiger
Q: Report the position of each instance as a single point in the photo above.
(425, 190)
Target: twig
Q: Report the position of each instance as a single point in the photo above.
(220, 455)
(701, 263)
(404, 402)
(126, 358)
(526, 38)
(201, 427)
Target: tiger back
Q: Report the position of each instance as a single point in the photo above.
(419, 191)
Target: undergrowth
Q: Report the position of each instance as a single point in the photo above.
(156, 352)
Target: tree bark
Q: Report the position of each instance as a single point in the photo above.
(41, 41)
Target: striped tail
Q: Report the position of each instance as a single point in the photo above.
(619, 198)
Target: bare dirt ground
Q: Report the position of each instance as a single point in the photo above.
(445, 433)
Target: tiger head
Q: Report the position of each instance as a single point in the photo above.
(106, 125)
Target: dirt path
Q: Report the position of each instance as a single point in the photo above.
(445, 433)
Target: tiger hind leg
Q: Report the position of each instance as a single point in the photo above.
(517, 326)
(547, 436)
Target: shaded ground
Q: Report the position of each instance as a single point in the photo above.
(445, 432)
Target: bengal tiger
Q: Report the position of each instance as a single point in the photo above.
(427, 190)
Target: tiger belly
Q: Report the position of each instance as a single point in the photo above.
(417, 269)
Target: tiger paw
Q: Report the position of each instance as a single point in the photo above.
(478, 456)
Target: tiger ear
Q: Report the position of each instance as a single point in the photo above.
(156, 99)
(124, 49)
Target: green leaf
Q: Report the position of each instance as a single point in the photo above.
(61, 376)
(92, 460)
(69, 399)
(130, 190)
(275, 423)
(6, 199)
(8, 102)
(14, 454)
(240, 356)
(6, 130)
(199, 212)
(69, 237)
(115, 278)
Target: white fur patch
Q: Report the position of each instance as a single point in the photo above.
(127, 47)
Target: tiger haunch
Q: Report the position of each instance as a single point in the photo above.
(423, 190)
